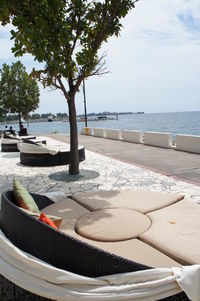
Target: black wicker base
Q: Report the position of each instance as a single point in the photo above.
(11, 292)
(9, 147)
(178, 297)
(61, 158)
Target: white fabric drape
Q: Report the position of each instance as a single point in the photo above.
(188, 278)
(43, 279)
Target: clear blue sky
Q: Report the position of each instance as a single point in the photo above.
(154, 65)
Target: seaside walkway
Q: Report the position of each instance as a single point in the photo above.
(169, 162)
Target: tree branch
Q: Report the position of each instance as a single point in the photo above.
(54, 83)
(63, 89)
(100, 68)
(78, 83)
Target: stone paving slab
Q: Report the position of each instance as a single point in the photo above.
(97, 172)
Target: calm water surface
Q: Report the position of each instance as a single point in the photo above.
(175, 123)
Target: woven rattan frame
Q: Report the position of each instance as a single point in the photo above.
(12, 147)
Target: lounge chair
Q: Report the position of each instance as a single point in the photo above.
(23, 132)
(9, 142)
(77, 248)
(35, 154)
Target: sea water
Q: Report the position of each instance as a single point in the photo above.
(174, 123)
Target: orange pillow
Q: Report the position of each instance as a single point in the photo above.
(43, 218)
(55, 219)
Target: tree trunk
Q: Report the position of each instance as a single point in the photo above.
(74, 156)
(19, 117)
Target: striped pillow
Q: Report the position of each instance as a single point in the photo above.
(23, 197)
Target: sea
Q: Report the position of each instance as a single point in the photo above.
(174, 123)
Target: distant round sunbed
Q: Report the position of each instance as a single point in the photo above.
(9, 142)
(34, 154)
(9, 145)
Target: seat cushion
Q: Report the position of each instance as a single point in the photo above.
(140, 200)
(132, 249)
(9, 141)
(32, 148)
(175, 231)
(68, 210)
(112, 224)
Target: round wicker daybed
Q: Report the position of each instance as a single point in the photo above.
(9, 143)
(68, 254)
(38, 155)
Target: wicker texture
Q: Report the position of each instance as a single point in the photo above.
(70, 254)
(61, 158)
(9, 147)
(11, 292)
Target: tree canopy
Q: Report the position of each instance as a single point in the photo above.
(2, 111)
(19, 93)
(65, 36)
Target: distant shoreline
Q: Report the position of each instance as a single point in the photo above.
(89, 115)
(175, 123)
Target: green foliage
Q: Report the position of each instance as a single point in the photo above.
(64, 35)
(61, 115)
(18, 92)
(10, 118)
(34, 116)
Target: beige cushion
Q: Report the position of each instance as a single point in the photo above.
(175, 231)
(9, 141)
(136, 250)
(112, 224)
(140, 200)
(68, 210)
(28, 148)
(132, 249)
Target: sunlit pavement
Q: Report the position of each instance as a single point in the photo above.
(97, 172)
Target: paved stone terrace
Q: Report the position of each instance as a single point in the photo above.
(96, 172)
(182, 165)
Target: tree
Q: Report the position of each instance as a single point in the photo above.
(66, 37)
(19, 93)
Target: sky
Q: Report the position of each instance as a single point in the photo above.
(154, 66)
